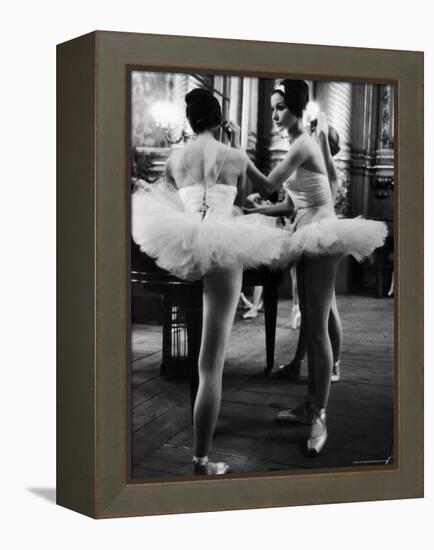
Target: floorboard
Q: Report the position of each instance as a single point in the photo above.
(360, 417)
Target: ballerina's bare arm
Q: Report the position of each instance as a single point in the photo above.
(241, 182)
(283, 208)
(264, 185)
(168, 174)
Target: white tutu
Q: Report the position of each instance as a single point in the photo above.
(317, 231)
(357, 237)
(188, 245)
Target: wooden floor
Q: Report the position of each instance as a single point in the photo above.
(359, 418)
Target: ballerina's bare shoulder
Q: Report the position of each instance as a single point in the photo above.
(208, 162)
(313, 160)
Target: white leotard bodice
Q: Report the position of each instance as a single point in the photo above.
(211, 199)
(310, 192)
(220, 198)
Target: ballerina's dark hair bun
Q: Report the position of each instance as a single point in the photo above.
(333, 139)
(296, 95)
(203, 110)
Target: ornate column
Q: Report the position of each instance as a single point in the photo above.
(249, 116)
(372, 155)
(364, 138)
(236, 97)
(373, 173)
(381, 197)
(178, 89)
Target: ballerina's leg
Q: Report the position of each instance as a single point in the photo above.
(319, 276)
(300, 350)
(257, 295)
(335, 332)
(295, 312)
(292, 369)
(220, 297)
(295, 296)
(303, 344)
(303, 413)
(319, 279)
(335, 329)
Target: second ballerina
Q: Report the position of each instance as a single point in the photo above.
(318, 240)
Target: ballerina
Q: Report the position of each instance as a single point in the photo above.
(193, 226)
(319, 240)
(292, 369)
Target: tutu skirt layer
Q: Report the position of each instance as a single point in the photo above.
(188, 245)
(357, 237)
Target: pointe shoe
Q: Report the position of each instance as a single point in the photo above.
(203, 467)
(318, 434)
(291, 370)
(298, 415)
(336, 372)
(251, 314)
(295, 318)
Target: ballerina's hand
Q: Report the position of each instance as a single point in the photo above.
(249, 210)
(322, 127)
(233, 131)
(254, 199)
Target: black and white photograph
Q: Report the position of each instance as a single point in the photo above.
(201, 346)
(262, 275)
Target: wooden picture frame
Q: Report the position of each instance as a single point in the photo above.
(94, 285)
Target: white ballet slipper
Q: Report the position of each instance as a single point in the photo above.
(251, 314)
(203, 467)
(318, 434)
(336, 372)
